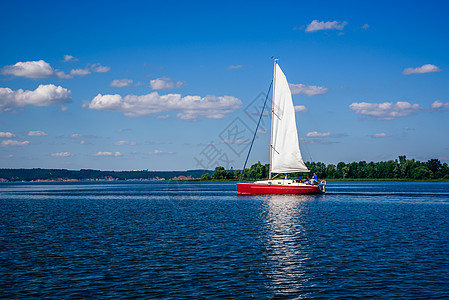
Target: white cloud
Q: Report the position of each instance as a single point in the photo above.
(80, 72)
(232, 67)
(164, 83)
(78, 135)
(121, 82)
(300, 108)
(8, 143)
(41, 69)
(318, 134)
(99, 68)
(308, 90)
(37, 133)
(63, 75)
(61, 154)
(191, 107)
(386, 110)
(236, 142)
(125, 143)
(380, 135)
(107, 154)
(162, 117)
(315, 25)
(69, 58)
(6, 135)
(159, 152)
(439, 105)
(30, 69)
(316, 141)
(420, 70)
(365, 26)
(44, 95)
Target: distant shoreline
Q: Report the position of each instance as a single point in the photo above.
(2, 180)
(64, 175)
(49, 175)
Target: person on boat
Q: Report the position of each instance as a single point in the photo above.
(286, 176)
(307, 180)
(299, 179)
(314, 179)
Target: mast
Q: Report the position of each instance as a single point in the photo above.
(272, 113)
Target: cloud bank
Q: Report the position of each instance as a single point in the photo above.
(316, 26)
(125, 143)
(380, 135)
(41, 69)
(99, 68)
(6, 135)
(44, 95)
(61, 154)
(121, 82)
(318, 134)
(190, 107)
(439, 105)
(79, 72)
(386, 110)
(30, 69)
(300, 108)
(12, 143)
(159, 152)
(308, 90)
(107, 153)
(164, 83)
(37, 133)
(421, 70)
(68, 58)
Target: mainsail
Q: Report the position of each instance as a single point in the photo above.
(285, 154)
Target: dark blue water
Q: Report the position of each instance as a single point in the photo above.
(201, 240)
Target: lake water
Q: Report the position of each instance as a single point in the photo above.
(201, 240)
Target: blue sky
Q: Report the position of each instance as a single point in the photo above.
(176, 85)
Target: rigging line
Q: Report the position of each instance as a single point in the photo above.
(275, 149)
(255, 132)
(276, 115)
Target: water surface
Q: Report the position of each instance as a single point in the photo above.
(202, 240)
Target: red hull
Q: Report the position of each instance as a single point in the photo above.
(259, 189)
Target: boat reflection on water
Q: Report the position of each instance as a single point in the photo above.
(287, 244)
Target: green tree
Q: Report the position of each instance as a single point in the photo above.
(206, 177)
(434, 165)
(421, 172)
(402, 166)
(219, 173)
(342, 170)
(330, 171)
(362, 169)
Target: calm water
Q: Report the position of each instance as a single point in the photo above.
(201, 240)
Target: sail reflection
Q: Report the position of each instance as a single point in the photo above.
(287, 244)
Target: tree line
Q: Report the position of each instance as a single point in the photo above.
(401, 168)
(89, 174)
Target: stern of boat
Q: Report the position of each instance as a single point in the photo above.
(322, 188)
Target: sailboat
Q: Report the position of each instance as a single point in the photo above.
(285, 155)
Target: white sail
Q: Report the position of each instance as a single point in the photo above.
(285, 154)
